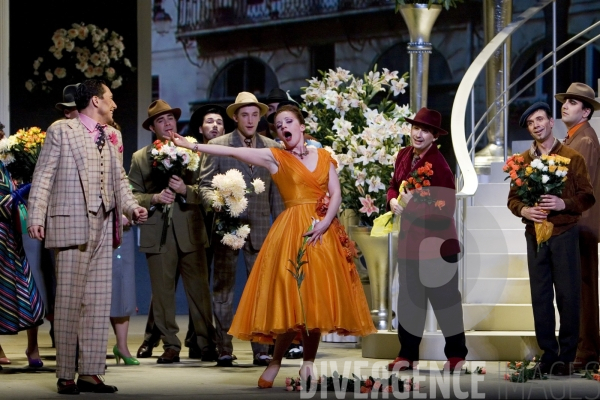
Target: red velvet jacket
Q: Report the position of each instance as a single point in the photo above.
(426, 231)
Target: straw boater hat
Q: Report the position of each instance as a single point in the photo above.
(581, 92)
(245, 99)
(430, 119)
(157, 108)
(197, 118)
(68, 97)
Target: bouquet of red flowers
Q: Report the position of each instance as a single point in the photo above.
(419, 183)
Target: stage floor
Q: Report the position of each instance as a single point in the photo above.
(196, 379)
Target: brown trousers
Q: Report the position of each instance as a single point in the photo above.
(83, 296)
(588, 347)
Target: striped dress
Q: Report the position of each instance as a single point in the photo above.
(21, 306)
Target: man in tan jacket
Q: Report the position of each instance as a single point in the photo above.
(78, 194)
(578, 106)
(183, 249)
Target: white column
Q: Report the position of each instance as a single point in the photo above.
(144, 67)
(4, 57)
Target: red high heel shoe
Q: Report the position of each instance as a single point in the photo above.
(264, 384)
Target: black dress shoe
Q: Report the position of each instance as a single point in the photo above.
(209, 354)
(562, 369)
(65, 386)
(98, 387)
(170, 356)
(262, 359)
(145, 350)
(225, 359)
(195, 353)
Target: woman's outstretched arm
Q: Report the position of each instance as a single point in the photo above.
(261, 157)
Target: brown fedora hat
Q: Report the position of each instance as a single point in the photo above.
(246, 99)
(579, 91)
(68, 97)
(428, 118)
(157, 108)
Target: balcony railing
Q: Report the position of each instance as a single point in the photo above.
(196, 15)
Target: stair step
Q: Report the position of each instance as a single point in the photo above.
(492, 217)
(497, 291)
(499, 317)
(496, 265)
(485, 241)
(491, 194)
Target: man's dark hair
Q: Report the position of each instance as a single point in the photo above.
(86, 90)
(214, 110)
(588, 105)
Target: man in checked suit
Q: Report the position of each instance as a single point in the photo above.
(183, 249)
(78, 194)
(246, 112)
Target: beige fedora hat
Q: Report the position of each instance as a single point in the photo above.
(159, 107)
(579, 91)
(246, 99)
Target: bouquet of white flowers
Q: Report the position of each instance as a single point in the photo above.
(359, 123)
(229, 200)
(172, 160)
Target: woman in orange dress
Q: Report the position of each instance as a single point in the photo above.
(331, 297)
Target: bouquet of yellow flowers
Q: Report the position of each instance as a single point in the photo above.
(545, 175)
(20, 152)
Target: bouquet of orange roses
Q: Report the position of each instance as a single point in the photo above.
(419, 182)
(545, 175)
(19, 152)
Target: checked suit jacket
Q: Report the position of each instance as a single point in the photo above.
(188, 222)
(260, 206)
(60, 197)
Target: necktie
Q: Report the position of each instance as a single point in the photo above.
(248, 142)
(101, 140)
(415, 160)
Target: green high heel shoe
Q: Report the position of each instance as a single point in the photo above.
(126, 360)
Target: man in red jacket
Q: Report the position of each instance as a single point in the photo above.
(428, 247)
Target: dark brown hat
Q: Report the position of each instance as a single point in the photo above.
(276, 95)
(430, 119)
(271, 117)
(68, 97)
(157, 108)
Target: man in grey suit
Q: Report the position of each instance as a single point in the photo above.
(183, 249)
(246, 112)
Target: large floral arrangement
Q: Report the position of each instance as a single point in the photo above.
(20, 152)
(79, 53)
(360, 124)
(228, 198)
(545, 175)
(172, 160)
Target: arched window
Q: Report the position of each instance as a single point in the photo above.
(243, 75)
